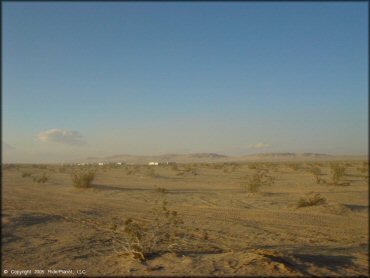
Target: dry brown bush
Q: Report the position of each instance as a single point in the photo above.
(162, 233)
(314, 200)
(258, 179)
(41, 179)
(337, 172)
(26, 174)
(316, 172)
(294, 166)
(82, 178)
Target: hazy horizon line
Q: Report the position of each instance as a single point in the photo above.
(184, 154)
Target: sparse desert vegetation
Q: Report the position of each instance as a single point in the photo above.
(201, 223)
(41, 178)
(337, 172)
(160, 234)
(202, 139)
(26, 174)
(82, 178)
(313, 200)
(316, 172)
(258, 179)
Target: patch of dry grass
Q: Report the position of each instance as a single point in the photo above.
(314, 200)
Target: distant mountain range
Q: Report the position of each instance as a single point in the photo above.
(214, 157)
(196, 157)
(291, 155)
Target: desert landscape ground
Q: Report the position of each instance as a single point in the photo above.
(277, 218)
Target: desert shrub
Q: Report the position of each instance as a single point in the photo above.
(314, 200)
(272, 165)
(252, 166)
(194, 172)
(144, 239)
(41, 179)
(162, 190)
(258, 179)
(234, 167)
(9, 167)
(151, 172)
(174, 167)
(26, 174)
(82, 178)
(129, 171)
(206, 165)
(62, 169)
(364, 168)
(136, 169)
(189, 169)
(337, 172)
(316, 172)
(229, 167)
(294, 166)
(217, 166)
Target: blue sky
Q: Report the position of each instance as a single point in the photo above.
(96, 79)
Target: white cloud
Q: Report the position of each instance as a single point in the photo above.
(259, 146)
(7, 147)
(69, 137)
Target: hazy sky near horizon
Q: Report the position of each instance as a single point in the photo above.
(99, 79)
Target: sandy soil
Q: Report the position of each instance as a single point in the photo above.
(229, 231)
